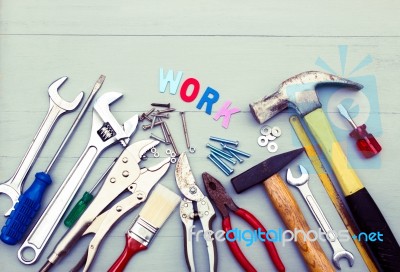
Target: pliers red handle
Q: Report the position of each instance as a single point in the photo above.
(225, 203)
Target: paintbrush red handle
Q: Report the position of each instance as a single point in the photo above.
(131, 248)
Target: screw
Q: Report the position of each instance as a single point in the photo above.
(163, 115)
(161, 105)
(170, 138)
(225, 141)
(212, 158)
(223, 156)
(216, 149)
(145, 115)
(149, 125)
(237, 151)
(240, 160)
(157, 138)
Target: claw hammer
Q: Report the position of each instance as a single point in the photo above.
(298, 92)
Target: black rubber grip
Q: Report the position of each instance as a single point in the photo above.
(370, 220)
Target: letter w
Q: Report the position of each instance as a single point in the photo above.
(169, 78)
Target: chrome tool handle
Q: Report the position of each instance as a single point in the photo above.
(317, 212)
(187, 216)
(50, 218)
(17, 180)
(207, 216)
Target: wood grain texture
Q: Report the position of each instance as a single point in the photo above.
(293, 218)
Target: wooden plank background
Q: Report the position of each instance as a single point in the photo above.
(243, 50)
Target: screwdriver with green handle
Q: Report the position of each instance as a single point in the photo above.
(84, 202)
(29, 202)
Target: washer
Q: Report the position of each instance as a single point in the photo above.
(173, 160)
(173, 154)
(192, 149)
(270, 137)
(276, 131)
(262, 141)
(168, 151)
(265, 130)
(153, 150)
(156, 155)
(272, 147)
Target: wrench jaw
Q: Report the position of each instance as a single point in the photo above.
(105, 124)
(343, 254)
(12, 193)
(57, 100)
(299, 180)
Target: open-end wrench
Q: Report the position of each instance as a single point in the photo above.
(105, 131)
(302, 184)
(57, 107)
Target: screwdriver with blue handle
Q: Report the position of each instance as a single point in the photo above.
(29, 202)
(85, 201)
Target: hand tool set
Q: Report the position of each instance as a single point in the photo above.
(125, 185)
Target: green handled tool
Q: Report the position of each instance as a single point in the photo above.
(85, 201)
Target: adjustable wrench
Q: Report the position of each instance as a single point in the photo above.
(105, 131)
(302, 184)
(57, 107)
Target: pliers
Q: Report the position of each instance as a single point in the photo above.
(194, 205)
(225, 203)
(126, 174)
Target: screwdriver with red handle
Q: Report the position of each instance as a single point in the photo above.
(366, 142)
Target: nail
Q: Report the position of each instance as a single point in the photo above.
(216, 149)
(237, 151)
(185, 129)
(149, 125)
(165, 111)
(167, 140)
(170, 138)
(219, 166)
(223, 156)
(144, 115)
(161, 105)
(157, 138)
(225, 141)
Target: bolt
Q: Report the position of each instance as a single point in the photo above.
(149, 125)
(225, 141)
(164, 131)
(211, 158)
(216, 149)
(163, 115)
(240, 160)
(223, 156)
(237, 151)
(161, 105)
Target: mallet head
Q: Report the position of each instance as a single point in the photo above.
(298, 92)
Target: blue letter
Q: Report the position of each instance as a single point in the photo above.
(173, 83)
(209, 100)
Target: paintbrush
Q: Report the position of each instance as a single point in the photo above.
(161, 203)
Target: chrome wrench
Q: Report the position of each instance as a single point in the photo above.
(105, 131)
(302, 184)
(57, 107)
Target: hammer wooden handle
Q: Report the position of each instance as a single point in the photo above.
(287, 207)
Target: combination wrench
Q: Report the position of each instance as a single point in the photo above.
(57, 107)
(302, 184)
(105, 132)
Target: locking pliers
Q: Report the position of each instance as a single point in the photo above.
(126, 174)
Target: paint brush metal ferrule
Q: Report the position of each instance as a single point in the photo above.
(142, 231)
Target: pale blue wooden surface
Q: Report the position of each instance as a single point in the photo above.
(242, 50)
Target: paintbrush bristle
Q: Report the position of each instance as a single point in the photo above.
(161, 203)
